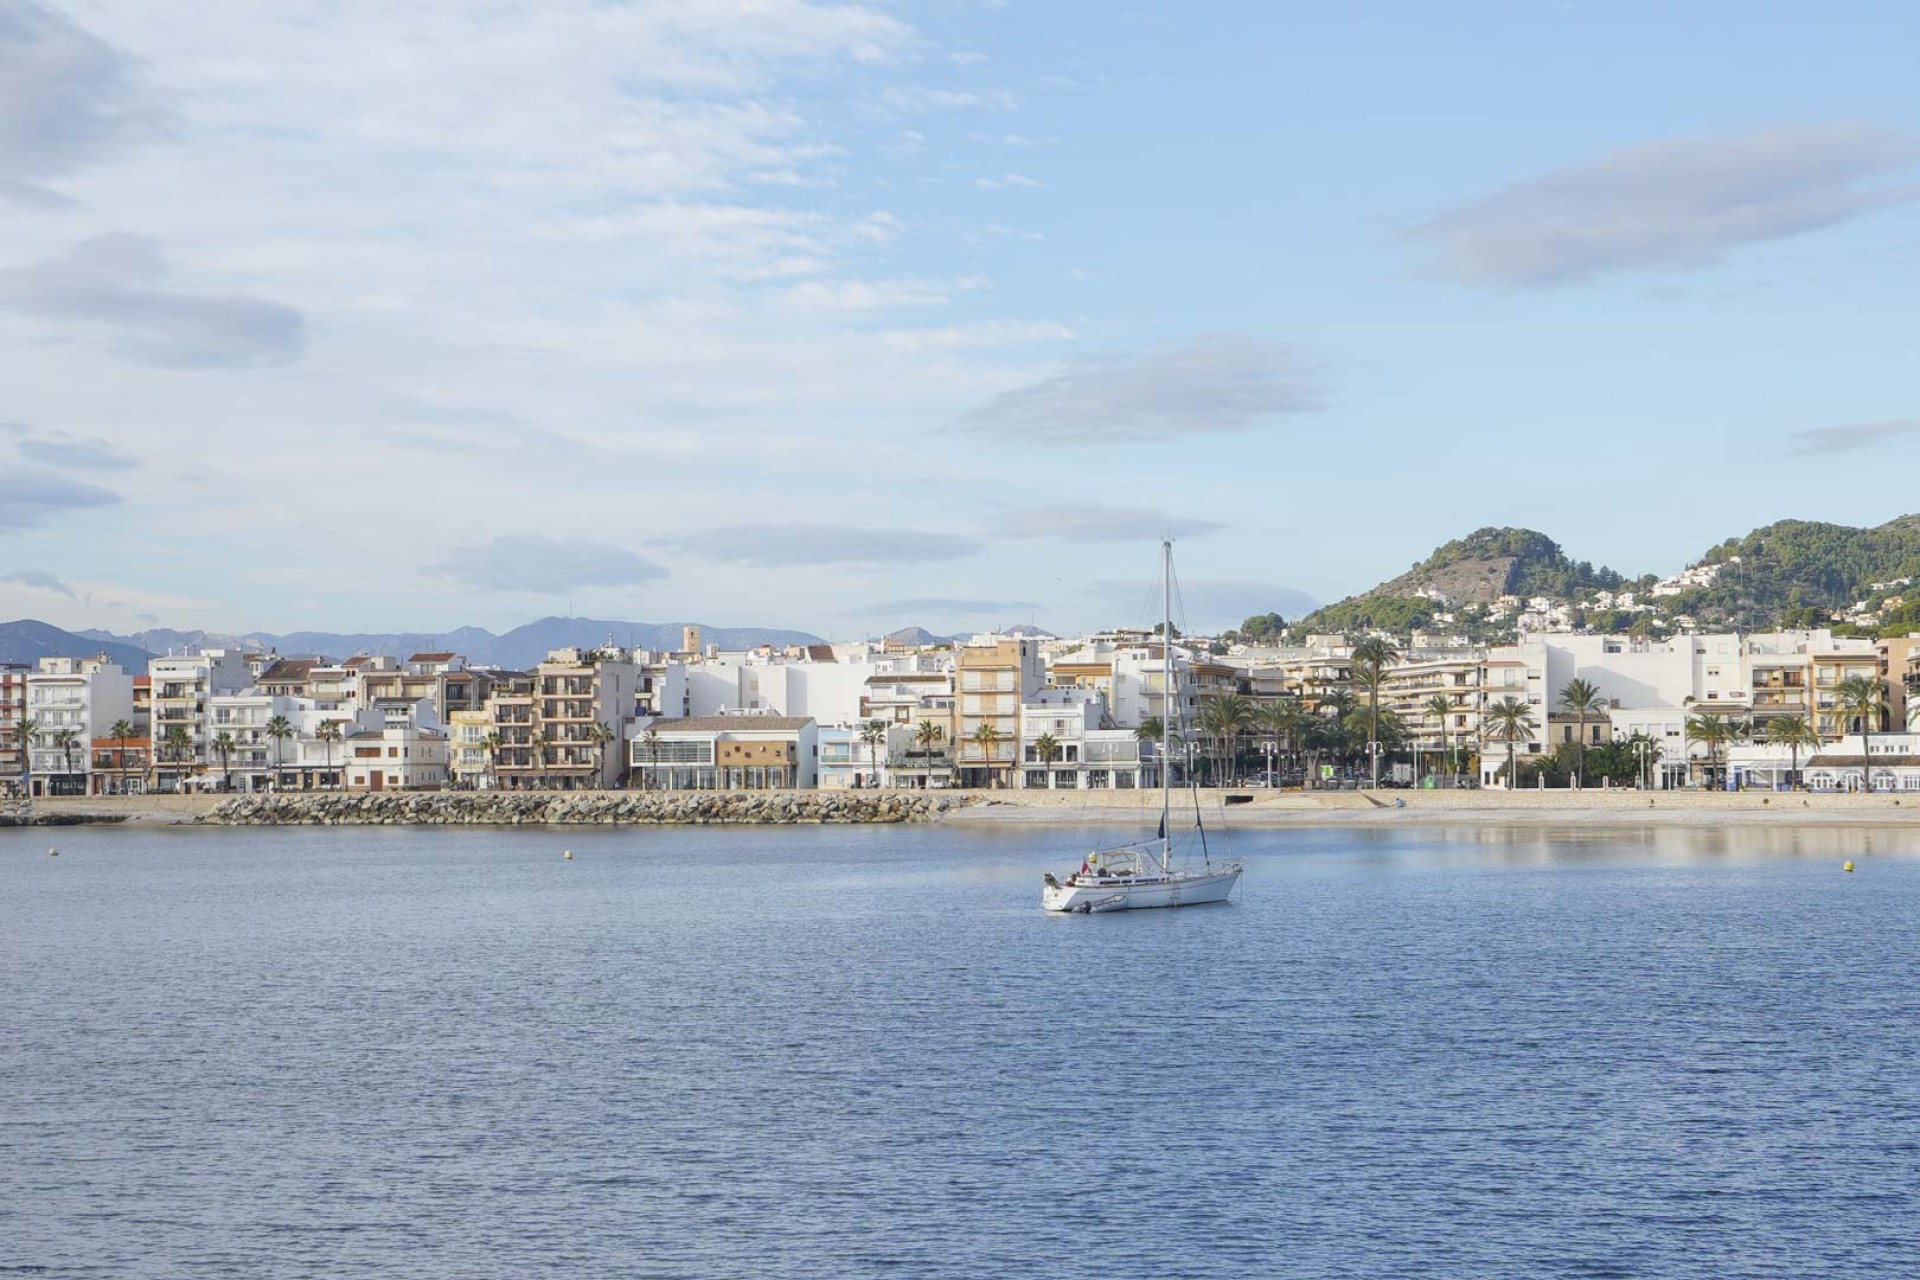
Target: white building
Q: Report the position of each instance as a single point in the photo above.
(724, 753)
(71, 701)
(183, 684)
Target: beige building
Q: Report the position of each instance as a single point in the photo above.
(563, 732)
(993, 675)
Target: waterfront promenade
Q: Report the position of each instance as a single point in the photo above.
(1599, 808)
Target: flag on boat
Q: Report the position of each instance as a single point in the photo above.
(1163, 828)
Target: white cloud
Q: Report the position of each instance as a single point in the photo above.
(67, 99)
(30, 496)
(540, 565)
(793, 545)
(1854, 437)
(114, 282)
(35, 580)
(1210, 385)
(1676, 204)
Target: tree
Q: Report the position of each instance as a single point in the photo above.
(874, 734)
(1263, 628)
(600, 735)
(1222, 720)
(279, 729)
(652, 738)
(178, 744)
(1793, 733)
(121, 731)
(1713, 732)
(23, 734)
(1371, 658)
(1510, 720)
(64, 741)
(986, 737)
(223, 747)
(1582, 698)
(1862, 698)
(1047, 747)
(926, 734)
(542, 741)
(1439, 706)
(1285, 719)
(329, 734)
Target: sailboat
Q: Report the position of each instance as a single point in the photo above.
(1145, 873)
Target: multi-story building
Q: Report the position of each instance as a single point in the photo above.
(245, 752)
(183, 685)
(442, 678)
(395, 745)
(120, 766)
(993, 675)
(469, 752)
(1832, 664)
(13, 709)
(563, 732)
(724, 753)
(72, 701)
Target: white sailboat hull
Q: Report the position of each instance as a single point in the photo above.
(1093, 894)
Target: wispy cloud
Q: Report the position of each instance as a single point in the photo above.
(789, 545)
(926, 98)
(36, 580)
(1853, 437)
(113, 280)
(978, 334)
(536, 564)
(1094, 523)
(58, 449)
(67, 98)
(1211, 385)
(30, 496)
(1675, 204)
(1007, 180)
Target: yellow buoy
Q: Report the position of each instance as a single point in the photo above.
(568, 855)
(1846, 866)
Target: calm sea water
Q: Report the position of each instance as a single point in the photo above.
(824, 1052)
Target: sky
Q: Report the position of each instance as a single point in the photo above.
(376, 315)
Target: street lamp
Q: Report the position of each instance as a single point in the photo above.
(1271, 750)
(1375, 749)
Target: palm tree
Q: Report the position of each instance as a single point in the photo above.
(279, 729)
(23, 734)
(328, 734)
(1792, 732)
(1439, 706)
(1509, 720)
(1581, 697)
(223, 747)
(178, 744)
(928, 733)
(1047, 747)
(600, 735)
(1236, 715)
(1714, 733)
(64, 741)
(874, 733)
(121, 731)
(541, 741)
(1863, 698)
(986, 737)
(652, 738)
(1284, 718)
(1371, 658)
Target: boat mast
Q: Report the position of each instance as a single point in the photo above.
(1167, 704)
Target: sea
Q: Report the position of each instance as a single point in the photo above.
(865, 1051)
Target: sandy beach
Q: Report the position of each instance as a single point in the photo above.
(1589, 809)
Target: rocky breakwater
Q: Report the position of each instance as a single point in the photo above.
(609, 808)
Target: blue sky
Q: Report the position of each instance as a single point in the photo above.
(845, 317)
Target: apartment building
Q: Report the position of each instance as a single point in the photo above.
(1833, 663)
(119, 766)
(183, 685)
(441, 678)
(993, 675)
(562, 732)
(245, 753)
(13, 709)
(71, 701)
(469, 754)
(395, 745)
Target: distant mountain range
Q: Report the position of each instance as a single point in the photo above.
(28, 641)
(521, 647)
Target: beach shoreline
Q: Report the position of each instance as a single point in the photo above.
(1603, 809)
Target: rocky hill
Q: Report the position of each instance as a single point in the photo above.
(29, 640)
